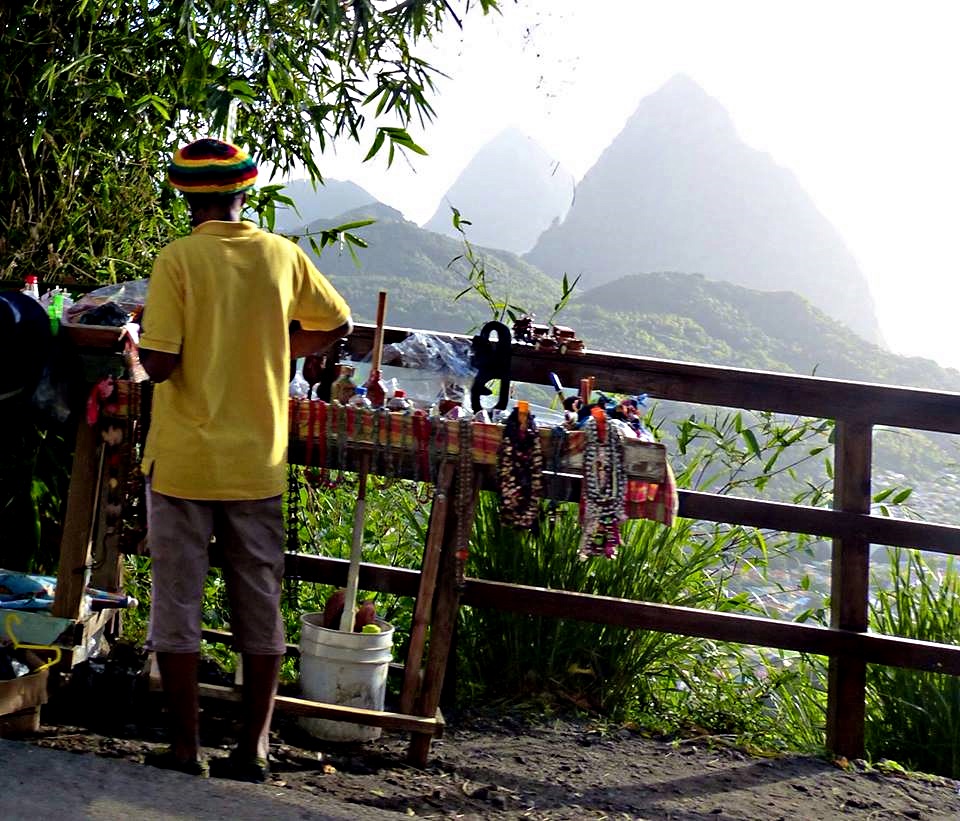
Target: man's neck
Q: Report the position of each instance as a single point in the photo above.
(219, 216)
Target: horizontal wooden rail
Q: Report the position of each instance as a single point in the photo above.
(791, 518)
(328, 570)
(726, 387)
(818, 521)
(662, 618)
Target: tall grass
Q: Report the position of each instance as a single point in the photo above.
(610, 669)
(914, 717)
(665, 681)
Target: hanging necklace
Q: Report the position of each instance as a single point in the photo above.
(464, 499)
(520, 472)
(604, 485)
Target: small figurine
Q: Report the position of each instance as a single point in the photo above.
(343, 388)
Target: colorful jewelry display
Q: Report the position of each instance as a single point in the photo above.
(520, 472)
(603, 489)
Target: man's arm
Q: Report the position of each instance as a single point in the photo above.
(304, 343)
(157, 364)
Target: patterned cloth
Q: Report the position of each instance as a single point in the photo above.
(652, 500)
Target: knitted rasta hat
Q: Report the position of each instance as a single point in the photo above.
(211, 166)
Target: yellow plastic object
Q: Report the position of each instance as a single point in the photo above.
(370, 628)
(15, 618)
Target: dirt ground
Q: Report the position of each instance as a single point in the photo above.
(505, 767)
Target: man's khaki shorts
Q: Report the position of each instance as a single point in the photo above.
(249, 536)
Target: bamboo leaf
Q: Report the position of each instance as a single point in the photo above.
(751, 439)
(902, 496)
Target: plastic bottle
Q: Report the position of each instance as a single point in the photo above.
(399, 401)
(343, 387)
(299, 387)
(55, 310)
(359, 398)
(31, 287)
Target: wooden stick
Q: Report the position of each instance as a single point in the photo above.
(377, 354)
(432, 727)
(356, 550)
(376, 389)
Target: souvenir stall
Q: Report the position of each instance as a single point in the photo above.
(46, 622)
(460, 440)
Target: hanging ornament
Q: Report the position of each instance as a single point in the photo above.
(603, 490)
(520, 470)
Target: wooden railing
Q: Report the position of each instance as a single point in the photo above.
(856, 409)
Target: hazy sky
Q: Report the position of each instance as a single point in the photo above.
(859, 98)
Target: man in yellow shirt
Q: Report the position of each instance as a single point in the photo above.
(216, 340)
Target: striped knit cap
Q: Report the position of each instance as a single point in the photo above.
(211, 166)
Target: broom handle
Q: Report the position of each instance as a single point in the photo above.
(356, 550)
(378, 333)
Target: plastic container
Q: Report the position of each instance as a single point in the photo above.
(347, 669)
(359, 398)
(299, 387)
(31, 287)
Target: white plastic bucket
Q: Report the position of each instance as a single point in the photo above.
(348, 669)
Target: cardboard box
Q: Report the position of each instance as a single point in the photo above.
(20, 701)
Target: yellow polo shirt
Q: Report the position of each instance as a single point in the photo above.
(223, 298)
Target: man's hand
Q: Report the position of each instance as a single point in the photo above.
(304, 343)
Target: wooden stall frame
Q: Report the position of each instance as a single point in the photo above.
(857, 408)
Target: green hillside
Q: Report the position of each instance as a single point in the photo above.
(667, 315)
(422, 273)
(688, 317)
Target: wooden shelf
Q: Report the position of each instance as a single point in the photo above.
(98, 337)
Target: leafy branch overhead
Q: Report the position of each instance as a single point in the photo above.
(96, 93)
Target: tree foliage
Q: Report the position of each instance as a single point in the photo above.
(95, 93)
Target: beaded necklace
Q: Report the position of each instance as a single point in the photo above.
(439, 438)
(464, 498)
(520, 472)
(420, 425)
(604, 486)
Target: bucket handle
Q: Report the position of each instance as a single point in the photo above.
(15, 618)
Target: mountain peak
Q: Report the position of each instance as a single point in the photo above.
(681, 84)
(678, 190)
(681, 103)
(511, 191)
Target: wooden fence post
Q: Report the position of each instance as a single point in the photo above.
(78, 526)
(849, 589)
(445, 608)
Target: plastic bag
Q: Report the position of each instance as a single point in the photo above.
(426, 352)
(429, 368)
(111, 305)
